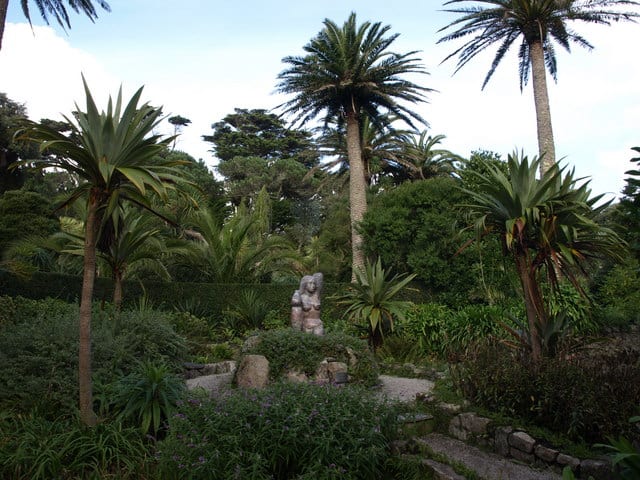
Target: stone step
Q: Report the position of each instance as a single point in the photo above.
(488, 466)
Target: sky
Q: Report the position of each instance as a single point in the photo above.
(201, 59)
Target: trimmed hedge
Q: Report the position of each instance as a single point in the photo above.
(211, 299)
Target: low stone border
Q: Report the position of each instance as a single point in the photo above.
(519, 445)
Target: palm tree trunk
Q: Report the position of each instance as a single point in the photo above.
(357, 192)
(87, 414)
(546, 145)
(532, 305)
(4, 5)
(117, 290)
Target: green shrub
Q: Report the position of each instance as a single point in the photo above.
(285, 431)
(293, 350)
(571, 394)
(39, 353)
(33, 448)
(618, 295)
(7, 310)
(425, 323)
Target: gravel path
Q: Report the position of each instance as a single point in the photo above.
(403, 389)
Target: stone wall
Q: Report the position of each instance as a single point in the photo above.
(517, 444)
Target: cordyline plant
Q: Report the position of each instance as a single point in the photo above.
(371, 300)
(115, 155)
(549, 227)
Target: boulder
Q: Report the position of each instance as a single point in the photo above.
(253, 372)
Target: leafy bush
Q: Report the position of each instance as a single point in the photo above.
(39, 353)
(33, 448)
(440, 330)
(570, 394)
(290, 349)
(283, 432)
(618, 295)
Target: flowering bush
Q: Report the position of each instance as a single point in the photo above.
(285, 431)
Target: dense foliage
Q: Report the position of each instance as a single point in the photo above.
(571, 394)
(285, 431)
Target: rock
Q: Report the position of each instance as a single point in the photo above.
(322, 372)
(337, 371)
(502, 440)
(598, 469)
(547, 454)
(442, 471)
(456, 430)
(295, 376)
(449, 408)
(522, 441)
(522, 456)
(213, 384)
(564, 460)
(473, 423)
(253, 372)
(228, 366)
(353, 358)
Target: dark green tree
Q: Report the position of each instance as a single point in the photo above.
(538, 25)
(414, 228)
(11, 115)
(54, 8)
(178, 122)
(627, 214)
(348, 73)
(23, 214)
(258, 133)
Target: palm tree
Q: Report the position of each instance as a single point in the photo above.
(55, 8)
(347, 73)
(135, 245)
(378, 144)
(540, 24)
(237, 251)
(114, 154)
(422, 160)
(547, 225)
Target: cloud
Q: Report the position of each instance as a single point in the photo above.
(41, 70)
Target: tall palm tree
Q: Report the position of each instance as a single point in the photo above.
(114, 154)
(547, 225)
(348, 72)
(54, 8)
(378, 144)
(418, 155)
(539, 24)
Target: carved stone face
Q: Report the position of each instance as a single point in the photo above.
(311, 286)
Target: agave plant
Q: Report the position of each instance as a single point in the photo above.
(371, 300)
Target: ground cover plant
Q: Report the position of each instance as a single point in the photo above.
(285, 431)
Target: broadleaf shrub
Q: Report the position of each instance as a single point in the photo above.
(570, 394)
(39, 352)
(285, 431)
(289, 349)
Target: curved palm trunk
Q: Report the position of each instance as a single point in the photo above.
(357, 192)
(533, 304)
(87, 414)
(546, 144)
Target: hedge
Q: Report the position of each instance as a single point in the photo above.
(210, 299)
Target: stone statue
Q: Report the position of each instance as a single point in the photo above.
(305, 305)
